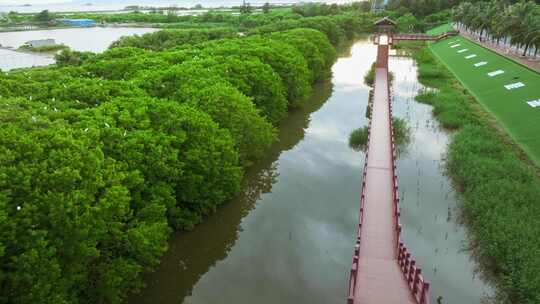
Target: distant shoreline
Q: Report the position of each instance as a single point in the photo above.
(118, 8)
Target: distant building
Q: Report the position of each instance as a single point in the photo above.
(40, 43)
(78, 22)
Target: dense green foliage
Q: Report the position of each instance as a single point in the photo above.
(44, 16)
(501, 193)
(68, 57)
(419, 15)
(167, 39)
(348, 16)
(316, 49)
(87, 192)
(104, 154)
(337, 28)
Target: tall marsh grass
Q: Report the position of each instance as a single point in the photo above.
(359, 137)
(500, 192)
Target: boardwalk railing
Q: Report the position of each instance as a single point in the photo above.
(418, 286)
(414, 37)
(424, 37)
(356, 255)
(412, 274)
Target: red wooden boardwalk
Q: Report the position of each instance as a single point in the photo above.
(412, 37)
(423, 37)
(382, 271)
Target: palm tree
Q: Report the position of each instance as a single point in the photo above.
(520, 18)
(519, 23)
(460, 14)
(490, 13)
(499, 23)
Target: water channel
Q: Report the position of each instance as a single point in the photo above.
(93, 39)
(288, 237)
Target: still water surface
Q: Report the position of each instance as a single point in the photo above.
(288, 238)
(16, 60)
(95, 39)
(430, 214)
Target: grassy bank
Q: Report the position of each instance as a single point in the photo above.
(500, 192)
(509, 106)
(443, 28)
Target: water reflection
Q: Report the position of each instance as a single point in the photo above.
(429, 201)
(288, 238)
(94, 39)
(10, 60)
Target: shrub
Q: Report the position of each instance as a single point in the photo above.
(253, 78)
(284, 59)
(166, 39)
(402, 133)
(68, 207)
(68, 57)
(358, 138)
(369, 78)
(204, 89)
(314, 46)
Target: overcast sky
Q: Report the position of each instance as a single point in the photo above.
(21, 2)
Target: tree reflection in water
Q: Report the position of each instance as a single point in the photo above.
(192, 254)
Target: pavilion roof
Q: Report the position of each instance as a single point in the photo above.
(385, 21)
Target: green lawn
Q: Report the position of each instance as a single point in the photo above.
(440, 29)
(510, 107)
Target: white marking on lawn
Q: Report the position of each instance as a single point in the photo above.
(455, 45)
(495, 73)
(461, 51)
(470, 56)
(453, 41)
(514, 85)
(481, 63)
(534, 103)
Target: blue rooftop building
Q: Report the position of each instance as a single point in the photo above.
(78, 22)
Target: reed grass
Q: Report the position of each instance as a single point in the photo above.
(500, 192)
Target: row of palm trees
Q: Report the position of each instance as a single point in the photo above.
(515, 25)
